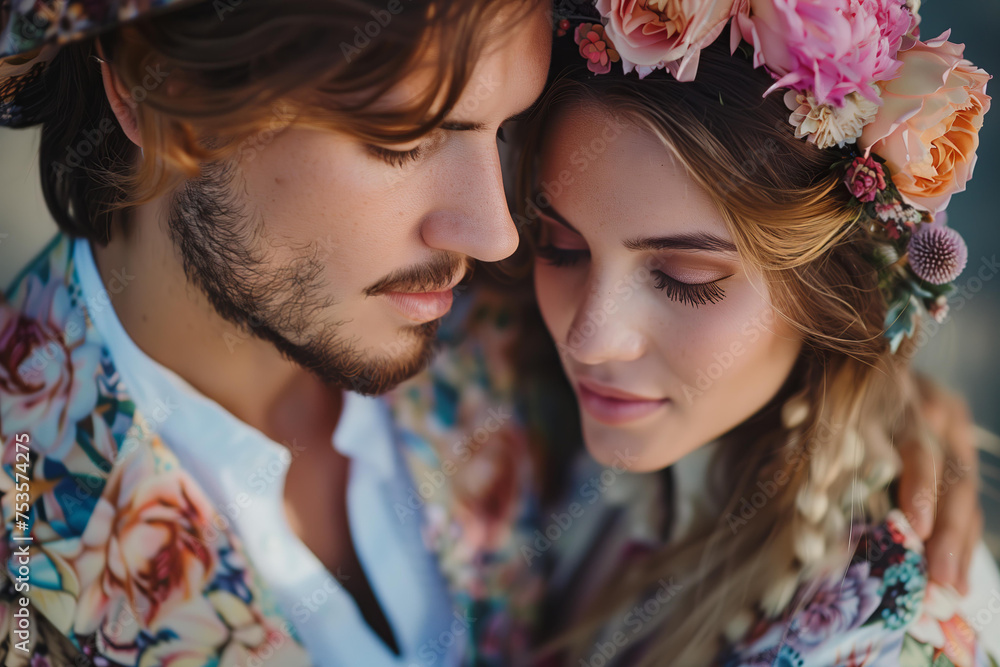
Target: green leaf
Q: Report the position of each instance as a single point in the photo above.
(900, 321)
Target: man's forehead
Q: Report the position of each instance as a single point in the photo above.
(504, 82)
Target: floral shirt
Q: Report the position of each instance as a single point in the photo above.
(882, 611)
(114, 554)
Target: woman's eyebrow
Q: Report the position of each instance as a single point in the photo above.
(555, 215)
(696, 241)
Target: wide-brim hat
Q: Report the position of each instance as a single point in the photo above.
(31, 33)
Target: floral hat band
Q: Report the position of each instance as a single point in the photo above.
(31, 32)
(904, 114)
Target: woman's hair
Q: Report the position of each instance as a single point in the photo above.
(215, 80)
(819, 453)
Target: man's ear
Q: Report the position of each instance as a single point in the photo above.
(125, 108)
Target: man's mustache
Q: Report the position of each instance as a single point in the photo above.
(434, 276)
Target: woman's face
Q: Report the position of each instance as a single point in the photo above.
(668, 338)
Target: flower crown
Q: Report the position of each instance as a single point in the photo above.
(904, 114)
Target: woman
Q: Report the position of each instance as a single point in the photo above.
(720, 248)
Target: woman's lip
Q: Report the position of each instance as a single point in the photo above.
(611, 392)
(614, 407)
(422, 307)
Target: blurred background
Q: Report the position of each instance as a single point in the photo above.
(959, 354)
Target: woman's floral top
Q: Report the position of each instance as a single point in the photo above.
(882, 611)
(114, 555)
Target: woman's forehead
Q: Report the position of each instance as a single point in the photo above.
(621, 173)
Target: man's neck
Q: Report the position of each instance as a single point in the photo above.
(172, 321)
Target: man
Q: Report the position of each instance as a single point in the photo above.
(266, 208)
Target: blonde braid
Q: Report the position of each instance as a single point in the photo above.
(845, 476)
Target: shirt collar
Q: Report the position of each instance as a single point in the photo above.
(364, 433)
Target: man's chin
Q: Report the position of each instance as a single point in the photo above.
(372, 376)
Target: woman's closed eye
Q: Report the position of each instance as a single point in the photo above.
(691, 294)
(395, 158)
(555, 253)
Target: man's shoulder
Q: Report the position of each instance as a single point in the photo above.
(109, 539)
(52, 261)
(57, 386)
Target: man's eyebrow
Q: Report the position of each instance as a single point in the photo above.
(460, 126)
(696, 241)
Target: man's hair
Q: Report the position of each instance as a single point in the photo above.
(216, 80)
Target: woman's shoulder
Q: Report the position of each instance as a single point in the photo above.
(882, 610)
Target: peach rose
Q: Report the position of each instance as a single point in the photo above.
(146, 557)
(650, 34)
(928, 128)
(248, 639)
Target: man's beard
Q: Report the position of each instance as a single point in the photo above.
(220, 246)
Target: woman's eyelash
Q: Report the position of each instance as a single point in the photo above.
(560, 257)
(395, 158)
(686, 293)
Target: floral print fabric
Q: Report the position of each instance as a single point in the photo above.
(129, 559)
(882, 611)
(130, 562)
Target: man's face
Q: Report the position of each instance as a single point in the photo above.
(343, 255)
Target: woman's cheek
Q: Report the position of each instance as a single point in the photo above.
(709, 350)
(554, 302)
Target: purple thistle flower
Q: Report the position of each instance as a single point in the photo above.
(937, 254)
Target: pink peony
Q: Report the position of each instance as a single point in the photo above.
(828, 47)
(596, 47)
(896, 25)
(650, 34)
(928, 128)
(865, 178)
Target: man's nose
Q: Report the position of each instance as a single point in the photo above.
(473, 218)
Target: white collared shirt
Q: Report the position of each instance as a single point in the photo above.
(243, 472)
